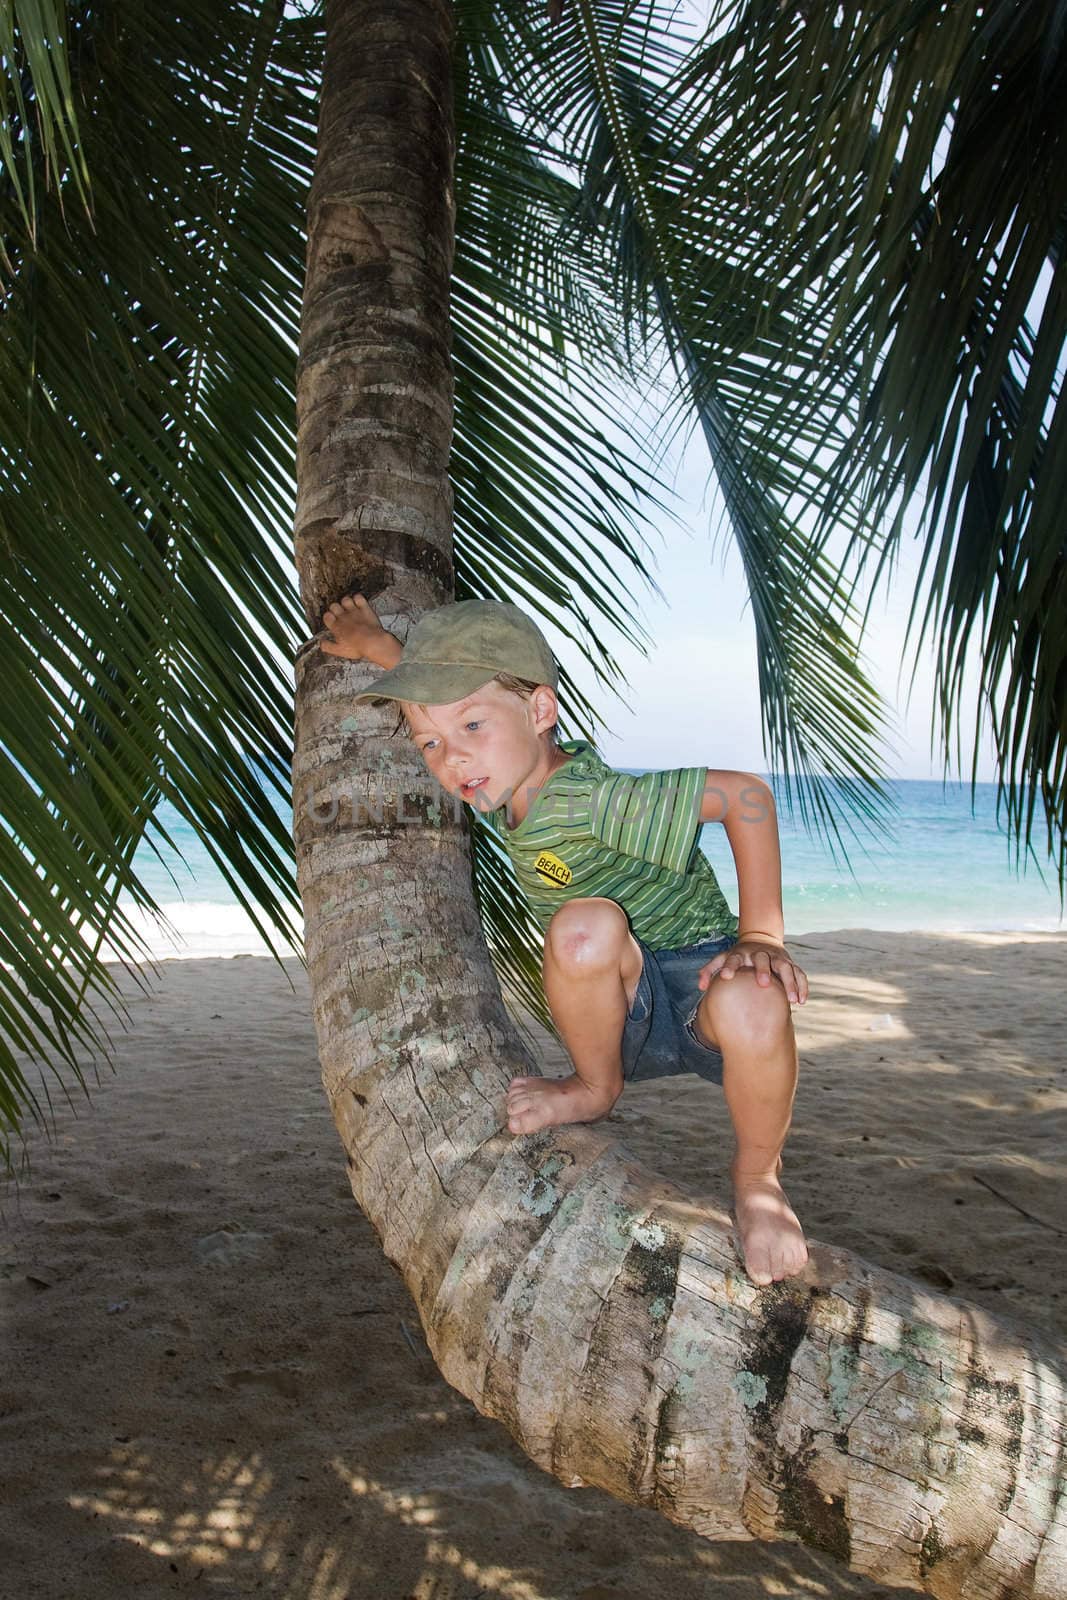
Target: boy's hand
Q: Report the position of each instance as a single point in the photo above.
(768, 961)
(357, 633)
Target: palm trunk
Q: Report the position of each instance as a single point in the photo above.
(583, 1301)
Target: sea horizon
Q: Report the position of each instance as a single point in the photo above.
(940, 870)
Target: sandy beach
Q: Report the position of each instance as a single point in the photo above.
(214, 1383)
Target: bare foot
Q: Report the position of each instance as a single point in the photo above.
(772, 1239)
(357, 633)
(545, 1102)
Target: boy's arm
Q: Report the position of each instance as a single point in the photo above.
(744, 805)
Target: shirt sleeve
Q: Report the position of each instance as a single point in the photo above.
(654, 816)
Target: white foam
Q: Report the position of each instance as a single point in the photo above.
(198, 928)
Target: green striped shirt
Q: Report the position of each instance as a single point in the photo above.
(593, 831)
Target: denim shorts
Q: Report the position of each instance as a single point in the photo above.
(658, 1039)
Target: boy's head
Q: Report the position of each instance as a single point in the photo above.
(476, 685)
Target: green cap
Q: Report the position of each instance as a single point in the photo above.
(455, 649)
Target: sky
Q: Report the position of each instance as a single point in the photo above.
(695, 698)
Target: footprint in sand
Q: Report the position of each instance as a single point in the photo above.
(228, 1247)
(276, 1379)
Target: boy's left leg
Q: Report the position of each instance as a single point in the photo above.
(752, 1025)
(592, 966)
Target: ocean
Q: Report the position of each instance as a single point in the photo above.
(942, 868)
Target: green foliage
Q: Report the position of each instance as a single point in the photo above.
(146, 381)
(821, 232)
(916, 204)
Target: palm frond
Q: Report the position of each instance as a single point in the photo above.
(911, 184)
(146, 383)
(38, 124)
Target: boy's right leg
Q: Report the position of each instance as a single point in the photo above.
(592, 965)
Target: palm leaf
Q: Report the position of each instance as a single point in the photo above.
(917, 203)
(165, 487)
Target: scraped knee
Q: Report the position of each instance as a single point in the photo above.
(587, 933)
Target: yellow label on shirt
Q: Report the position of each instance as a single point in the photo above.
(550, 869)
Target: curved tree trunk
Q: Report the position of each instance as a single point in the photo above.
(580, 1299)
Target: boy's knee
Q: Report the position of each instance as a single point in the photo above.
(745, 1011)
(587, 930)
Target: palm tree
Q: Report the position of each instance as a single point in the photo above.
(585, 164)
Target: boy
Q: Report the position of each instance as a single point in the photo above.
(645, 970)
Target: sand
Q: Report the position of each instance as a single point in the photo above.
(213, 1383)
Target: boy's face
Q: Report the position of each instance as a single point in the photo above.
(492, 735)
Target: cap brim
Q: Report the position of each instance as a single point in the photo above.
(424, 684)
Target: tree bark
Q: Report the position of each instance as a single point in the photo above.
(585, 1302)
